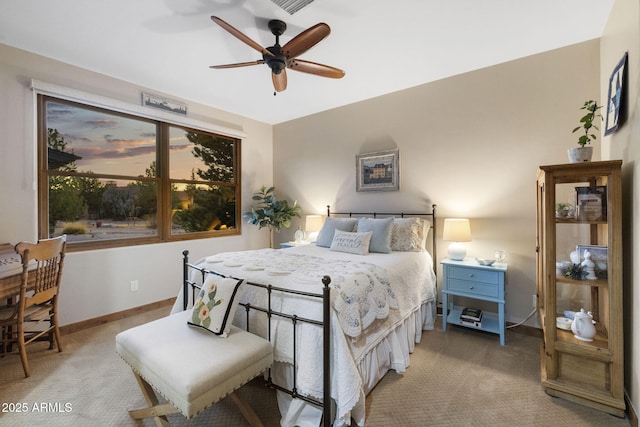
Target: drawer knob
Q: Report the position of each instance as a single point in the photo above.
(470, 274)
(470, 287)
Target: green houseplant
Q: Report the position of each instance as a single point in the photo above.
(271, 212)
(586, 128)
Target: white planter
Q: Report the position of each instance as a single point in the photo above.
(580, 154)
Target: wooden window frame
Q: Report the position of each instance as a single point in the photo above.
(164, 181)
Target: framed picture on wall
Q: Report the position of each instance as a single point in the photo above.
(166, 104)
(616, 100)
(378, 171)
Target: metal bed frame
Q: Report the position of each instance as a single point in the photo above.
(431, 214)
(325, 404)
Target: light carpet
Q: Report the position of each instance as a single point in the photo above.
(458, 378)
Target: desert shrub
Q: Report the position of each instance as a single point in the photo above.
(75, 228)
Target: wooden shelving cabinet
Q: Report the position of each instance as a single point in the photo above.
(590, 373)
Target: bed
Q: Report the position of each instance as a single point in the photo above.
(383, 294)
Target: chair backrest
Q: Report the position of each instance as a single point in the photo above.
(42, 267)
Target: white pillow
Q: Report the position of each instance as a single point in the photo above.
(353, 243)
(408, 234)
(325, 236)
(381, 229)
(216, 304)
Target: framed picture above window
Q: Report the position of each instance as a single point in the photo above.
(161, 103)
(378, 171)
(616, 100)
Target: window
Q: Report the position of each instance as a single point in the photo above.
(112, 179)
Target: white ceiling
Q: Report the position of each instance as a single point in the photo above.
(383, 46)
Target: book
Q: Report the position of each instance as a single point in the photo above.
(471, 314)
(476, 324)
(591, 203)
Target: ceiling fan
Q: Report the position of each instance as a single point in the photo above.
(279, 58)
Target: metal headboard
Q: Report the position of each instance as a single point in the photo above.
(431, 214)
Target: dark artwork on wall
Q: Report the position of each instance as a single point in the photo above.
(616, 102)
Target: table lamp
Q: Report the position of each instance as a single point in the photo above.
(456, 231)
(313, 224)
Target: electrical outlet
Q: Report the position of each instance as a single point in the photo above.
(134, 286)
(535, 300)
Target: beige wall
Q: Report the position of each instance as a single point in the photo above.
(97, 282)
(622, 34)
(470, 143)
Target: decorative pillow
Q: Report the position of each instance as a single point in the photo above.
(353, 243)
(381, 233)
(408, 234)
(325, 237)
(216, 304)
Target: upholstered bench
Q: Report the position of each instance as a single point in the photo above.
(191, 367)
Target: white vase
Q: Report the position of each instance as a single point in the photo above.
(580, 154)
(575, 257)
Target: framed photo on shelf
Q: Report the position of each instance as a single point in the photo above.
(616, 100)
(591, 203)
(598, 256)
(378, 171)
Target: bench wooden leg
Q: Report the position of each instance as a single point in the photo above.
(160, 411)
(246, 410)
(155, 409)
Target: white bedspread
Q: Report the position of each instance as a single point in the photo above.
(371, 295)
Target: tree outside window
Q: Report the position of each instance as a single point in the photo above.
(105, 183)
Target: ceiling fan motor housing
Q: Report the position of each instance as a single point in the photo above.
(278, 61)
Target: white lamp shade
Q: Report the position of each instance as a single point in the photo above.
(456, 230)
(313, 223)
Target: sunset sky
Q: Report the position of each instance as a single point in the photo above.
(110, 144)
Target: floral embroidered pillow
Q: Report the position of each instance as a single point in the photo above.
(216, 304)
(408, 234)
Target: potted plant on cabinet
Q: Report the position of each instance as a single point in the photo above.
(583, 153)
(270, 212)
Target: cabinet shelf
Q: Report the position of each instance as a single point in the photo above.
(584, 282)
(587, 372)
(578, 221)
(600, 341)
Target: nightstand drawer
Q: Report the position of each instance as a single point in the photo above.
(476, 288)
(477, 275)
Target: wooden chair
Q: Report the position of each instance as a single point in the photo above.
(34, 315)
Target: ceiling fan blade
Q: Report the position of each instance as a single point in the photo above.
(315, 68)
(306, 40)
(279, 80)
(239, 35)
(240, 64)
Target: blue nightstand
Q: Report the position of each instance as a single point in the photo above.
(292, 244)
(469, 279)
